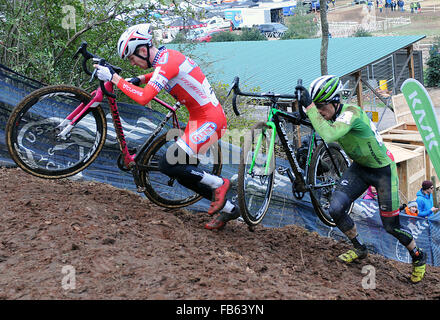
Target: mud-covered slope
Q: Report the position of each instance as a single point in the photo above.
(61, 239)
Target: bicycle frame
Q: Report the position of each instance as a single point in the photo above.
(274, 119)
(97, 96)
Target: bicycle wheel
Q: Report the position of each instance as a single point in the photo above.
(32, 133)
(255, 184)
(165, 191)
(323, 170)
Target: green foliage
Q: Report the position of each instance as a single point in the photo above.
(301, 25)
(39, 37)
(224, 37)
(245, 120)
(179, 38)
(432, 75)
(362, 33)
(252, 34)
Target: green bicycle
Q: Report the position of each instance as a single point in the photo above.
(314, 169)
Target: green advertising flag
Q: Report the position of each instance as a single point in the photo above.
(423, 112)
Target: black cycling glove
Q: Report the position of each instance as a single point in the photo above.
(135, 80)
(305, 100)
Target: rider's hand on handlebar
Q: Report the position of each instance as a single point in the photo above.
(305, 99)
(104, 73)
(135, 80)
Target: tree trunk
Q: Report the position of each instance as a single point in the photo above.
(324, 32)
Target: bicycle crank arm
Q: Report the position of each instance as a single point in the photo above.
(137, 180)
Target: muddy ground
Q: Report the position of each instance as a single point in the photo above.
(61, 239)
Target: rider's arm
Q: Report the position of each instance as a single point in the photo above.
(143, 96)
(146, 77)
(330, 131)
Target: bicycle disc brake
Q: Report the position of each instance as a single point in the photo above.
(120, 161)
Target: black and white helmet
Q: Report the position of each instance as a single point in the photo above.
(326, 89)
(133, 37)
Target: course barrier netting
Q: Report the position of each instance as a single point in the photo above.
(139, 121)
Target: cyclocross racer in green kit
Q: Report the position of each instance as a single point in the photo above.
(356, 134)
(372, 165)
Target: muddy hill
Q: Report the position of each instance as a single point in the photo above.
(61, 239)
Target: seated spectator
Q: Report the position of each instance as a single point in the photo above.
(371, 194)
(425, 200)
(412, 209)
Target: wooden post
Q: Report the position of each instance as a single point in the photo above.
(411, 72)
(359, 89)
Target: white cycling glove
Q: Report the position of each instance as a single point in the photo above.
(104, 73)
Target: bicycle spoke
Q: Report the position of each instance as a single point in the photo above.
(41, 138)
(323, 177)
(256, 177)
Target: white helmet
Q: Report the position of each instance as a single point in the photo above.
(326, 89)
(140, 34)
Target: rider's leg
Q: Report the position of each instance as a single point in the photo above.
(349, 188)
(219, 185)
(389, 203)
(178, 164)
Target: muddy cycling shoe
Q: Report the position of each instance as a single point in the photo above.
(222, 218)
(354, 254)
(219, 197)
(419, 268)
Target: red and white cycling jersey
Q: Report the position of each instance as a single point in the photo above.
(185, 81)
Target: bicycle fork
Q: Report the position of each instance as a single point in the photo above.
(270, 152)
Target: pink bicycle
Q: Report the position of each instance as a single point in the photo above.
(58, 131)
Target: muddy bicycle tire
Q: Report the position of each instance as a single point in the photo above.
(254, 195)
(31, 133)
(322, 168)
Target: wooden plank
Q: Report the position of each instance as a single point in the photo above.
(396, 126)
(412, 138)
(402, 113)
(401, 154)
(400, 131)
(410, 170)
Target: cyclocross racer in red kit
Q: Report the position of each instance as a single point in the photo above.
(184, 80)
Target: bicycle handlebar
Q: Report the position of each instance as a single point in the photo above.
(269, 95)
(87, 56)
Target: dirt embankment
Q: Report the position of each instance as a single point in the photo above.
(69, 240)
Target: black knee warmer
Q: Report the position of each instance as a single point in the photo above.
(187, 175)
(392, 226)
(339, 205)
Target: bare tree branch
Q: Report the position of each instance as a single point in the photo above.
(90, 26)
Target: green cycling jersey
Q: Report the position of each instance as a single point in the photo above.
(356, 134)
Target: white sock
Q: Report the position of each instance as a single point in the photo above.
(228, 207)
(210, 180)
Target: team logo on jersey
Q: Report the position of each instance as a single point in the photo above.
(203, 133)
(164, 58)
(345, 117)
(191, 62)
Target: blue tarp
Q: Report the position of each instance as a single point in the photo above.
(138, 121)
